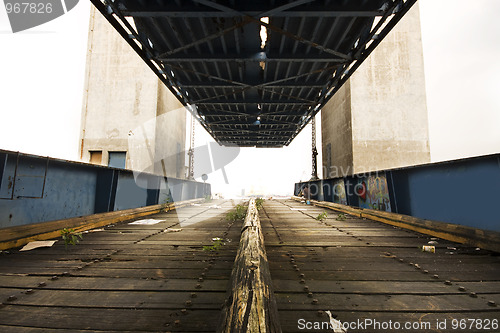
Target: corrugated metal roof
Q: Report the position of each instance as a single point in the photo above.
(244, 91)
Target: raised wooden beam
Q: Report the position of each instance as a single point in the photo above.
(20, 235)
(485, 239)
(251, 306)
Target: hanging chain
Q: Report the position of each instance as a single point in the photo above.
(314, 174)
(191, 150)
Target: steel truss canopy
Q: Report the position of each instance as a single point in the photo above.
(253, 72)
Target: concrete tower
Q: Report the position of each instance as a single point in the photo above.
(378, 119)
(129, 118)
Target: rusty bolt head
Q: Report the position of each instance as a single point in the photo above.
(302, 275)
(492, 303)
(461, 288)
(29, 291)
(297, 269)
(314, 301)
(473, 295)
(411, 264)
(435, 276)
(425, 271)
(295, 266)
(42, 284)
(193, 295)
(302, 281)
(447, 282)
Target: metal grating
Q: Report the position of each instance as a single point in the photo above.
(243, 91)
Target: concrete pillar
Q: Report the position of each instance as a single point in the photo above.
(378, 119)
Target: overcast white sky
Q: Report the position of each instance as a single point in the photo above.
(42, 74)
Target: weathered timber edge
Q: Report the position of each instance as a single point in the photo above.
(17, 236)
(251, 305)
(485, 239)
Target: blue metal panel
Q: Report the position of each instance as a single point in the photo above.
(464, 192)
(117, 159)
(36, 189)
(128, 193)
(69, 192)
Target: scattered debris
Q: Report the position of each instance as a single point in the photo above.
(147, 222)
(428, 248)
(37, 244)
(335, 324)
(172, 230)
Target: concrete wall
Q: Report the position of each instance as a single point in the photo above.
(126, 107)
(388, 125)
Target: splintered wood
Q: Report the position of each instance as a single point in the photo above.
(251, 306)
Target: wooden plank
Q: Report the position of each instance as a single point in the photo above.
(251, 306)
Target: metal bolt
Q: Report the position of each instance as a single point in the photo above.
(200, 279)
(461, 288)
(42, 284)
(79, 267)
(310, 294)
(11, 298)
(205, 269)
(314, 301)
(302, 275)
(203, 274)
(193, 295)
(447, 282)
(425, 271)
(302, 281)
(189, 303)
(29, 291)
(295, 266)
(177, 323)
(54, 277)
(198, 286)
(401, 260)
(184, 311)
(492, 303)
(411, 264)
(96, 260)
(473, 294)
(435, 276)
(65, 273)
(306, 288)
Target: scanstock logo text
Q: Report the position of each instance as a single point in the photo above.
(26, 14)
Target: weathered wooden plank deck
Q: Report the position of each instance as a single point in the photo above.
(360, 269)
(125, 278)
(152, 278)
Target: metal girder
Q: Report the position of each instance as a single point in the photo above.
(212, 57)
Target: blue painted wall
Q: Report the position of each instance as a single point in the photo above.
(465, 192)
(37, 189)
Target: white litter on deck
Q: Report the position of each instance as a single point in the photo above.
(37, 244)
(147, 221)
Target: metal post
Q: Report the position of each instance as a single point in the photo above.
(191, 150)
(314, 174)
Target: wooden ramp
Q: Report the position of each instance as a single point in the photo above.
(158, 278)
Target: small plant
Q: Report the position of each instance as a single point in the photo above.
(238, 213)
(258, 203)
(217, 243)
(70, 237)
(341, 217)
(322, 216)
